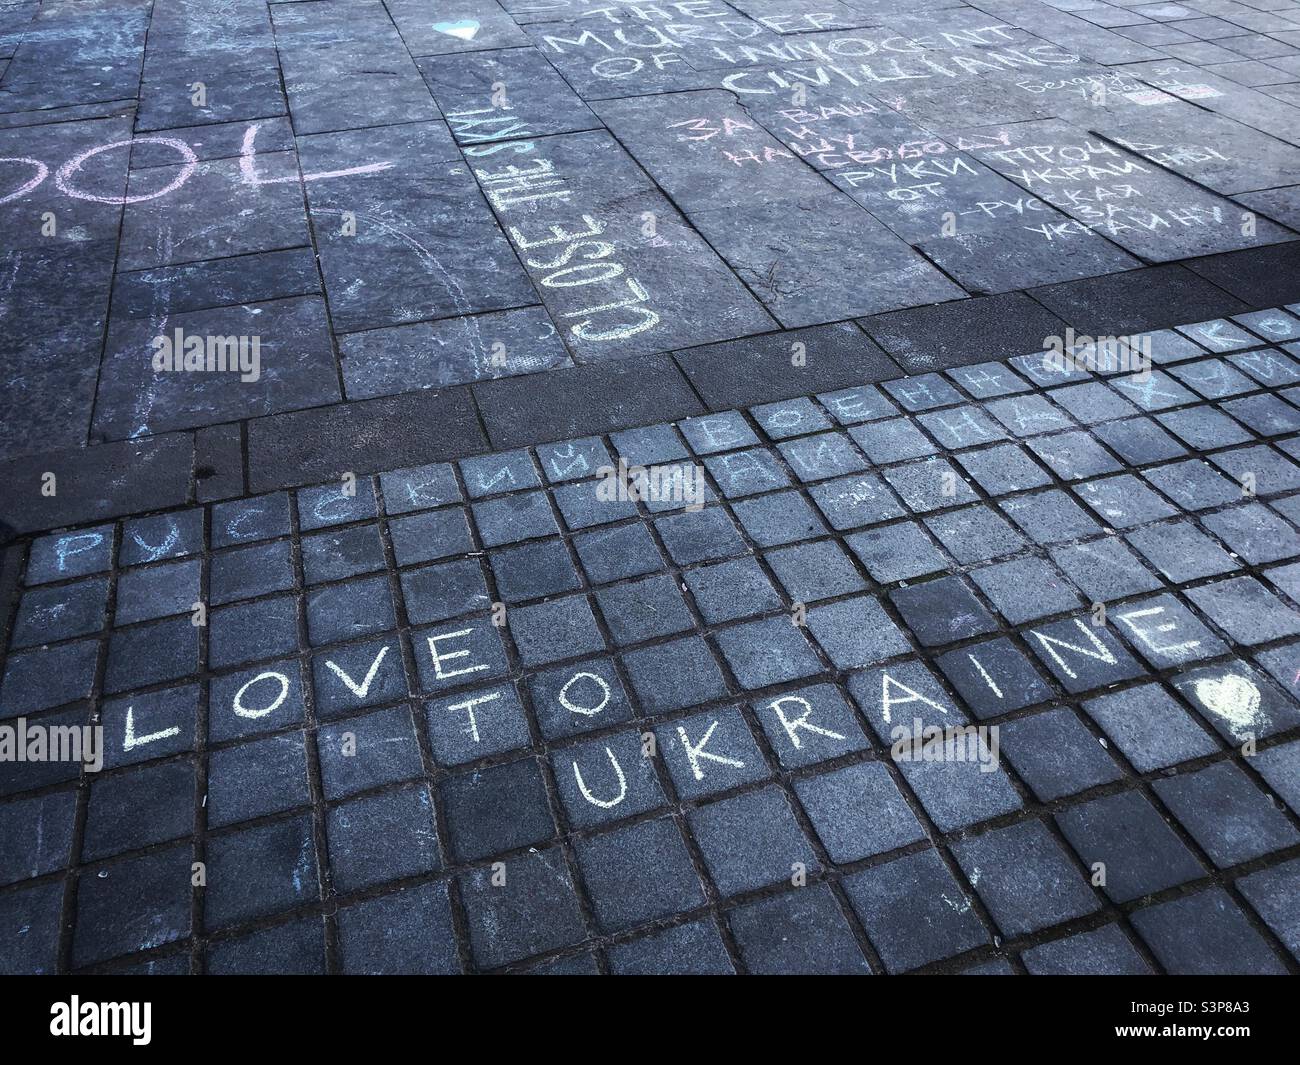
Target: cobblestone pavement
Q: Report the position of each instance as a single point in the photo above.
(991, 670)
(636, 527)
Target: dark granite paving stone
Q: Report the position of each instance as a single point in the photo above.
(898, 695)
(1081, 655)
(1149, 727)
(47, 677)
(710, 753)
(161, 537)
(1029, 415)
(365, 674)
(975, 534)
(220, 139)
(712, 433)
(210, 211)
(1245, 610)
(1266, 415)
(731, 590)
(745, 473)
(386, 361)
(930, 484)
(1152, 391)
(255, 779)
(1047, 369)
(1025, 878)
(47, 614)
(1125, 834)
(168, 650)
(1271, 472)
(549, 632)
(955, 334)
(246, 520)
(587, 504)
(892, 440)
(382, 837)
(407, 933)
(800, 932)
(1106, 951)
(629, 303)
(584, 399)
(1218, 334)
(815, 458)
(613, 554)
(150, 592)
(1092, 402)
(790, 418)
(854, 501)
(923, 392)
(775, 520)
(1148, 298)
(430, 536)
(463, 728)
(573, 459)
(1269, 368)
(576, 965)
(856, 633)
(29, 929)
(1165, 632)
(639, 874)
(512, 518)
(809, 572)
(942, 611)
(128, 811)
(809, 725)
(417, 489)
(914, 911)
(645, 609)
(389, 243)
(897, 552)
(336, 555)
(605, 780)
(1265, 278)
(694, 949)
(491, 811)
(336, 504)
(1056, 755)
(1213, 378)
(852, 406)
(649, 445)
(63, 555)
(37, 835)
(534, 911)
(987, 380)
(293, 949)
(670, 676)
(360, 753)
(134, 905)
(489, 475)
(463, 26)
(1049, 517)
(1193, 484)
(533, 570)
(1205, 933)
(993, 677)
(291, 367)
(1226, 814)
(439, 653)
(246, 632)
(761, 653)
(27, 776)
(1269, 892)
(569, 700)
(751, 841)
(1203, 428)
(489, 96)
(959, 790)
(1002, 469)
(1181, 552)
(964, 427)
(858, 812)
(345, 67)
(699, 536)
(255, 700)
(255, 872)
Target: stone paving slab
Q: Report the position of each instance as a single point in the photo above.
(987, 668)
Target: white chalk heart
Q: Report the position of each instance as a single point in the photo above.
(1233, 698)
(465, 29)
